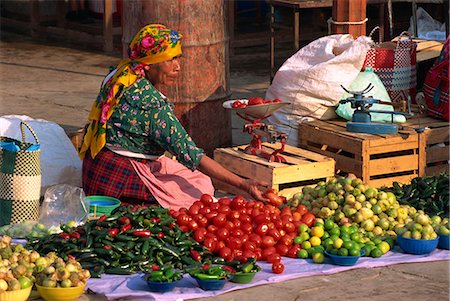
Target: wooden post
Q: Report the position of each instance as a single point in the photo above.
(34, 19)
(108, 26)
(349, 11)
(131, 22)
(231, 20)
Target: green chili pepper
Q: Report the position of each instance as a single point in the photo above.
(119, 271)
(246, 268)
(145, 247)
(122, 237)
(203, 276)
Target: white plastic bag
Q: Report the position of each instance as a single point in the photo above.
(427, 27)
(310, 80)
(63, 204)
(59, 160)
(378, 92)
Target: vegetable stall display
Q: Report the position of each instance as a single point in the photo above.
(430, 194)
(21, 268)
(131, 239)
(235, 228)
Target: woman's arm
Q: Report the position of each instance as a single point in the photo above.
(213, 169)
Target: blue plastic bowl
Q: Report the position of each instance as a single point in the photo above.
(444, 242)
(417, 246)
(211, 285)
(161, 287)
(100, 204)
(344, 260)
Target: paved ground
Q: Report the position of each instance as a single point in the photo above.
(59, 84)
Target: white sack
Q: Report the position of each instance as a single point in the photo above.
(59, 159)
(427, 27)
(310, 80)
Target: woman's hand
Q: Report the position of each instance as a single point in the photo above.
(253, 188)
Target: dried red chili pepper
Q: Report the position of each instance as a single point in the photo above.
(125, 228)
(124, 220)
(64, 235)
(142, 233)
(113, 232)
(75, 235)
(195, 255)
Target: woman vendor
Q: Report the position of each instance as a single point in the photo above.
(132, 125)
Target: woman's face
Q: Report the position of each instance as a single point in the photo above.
(164, 73)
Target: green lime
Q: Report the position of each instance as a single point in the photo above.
(298, 240)
(390, 241)
(376, 241)
(356, 237)
(334, 252)
(353, 229)
(302, 254)
(368, 249)
(320, 249)
(345, 229)
(325, 235)
(311, 251)
(327, 242)
(375, 253)
(322, 192)
(335, 231)
(345, 236)
(343, 252)
(348, 244)
(329, 224)
(318, 224)
(334, 237)
(354, 252)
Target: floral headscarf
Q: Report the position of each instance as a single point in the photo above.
(153, 44)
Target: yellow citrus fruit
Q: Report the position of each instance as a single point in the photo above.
(318, 257)
(384, 247)
(317, 231)
(315, 241)
(302, 228)
(338, 243)
(306, 245)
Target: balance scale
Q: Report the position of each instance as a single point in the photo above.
(362, 120)
(255, 114)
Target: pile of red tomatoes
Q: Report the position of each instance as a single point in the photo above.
(234, 228)
(252, 101)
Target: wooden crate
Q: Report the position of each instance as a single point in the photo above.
(436, 136)
(302, 167)
(377, 159)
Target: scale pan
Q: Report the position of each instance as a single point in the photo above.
(255, 111)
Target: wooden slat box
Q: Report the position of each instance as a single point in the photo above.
(377, 159)
(302, 167)
(436, 137)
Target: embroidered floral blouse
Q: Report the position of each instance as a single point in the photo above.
(144, 123)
